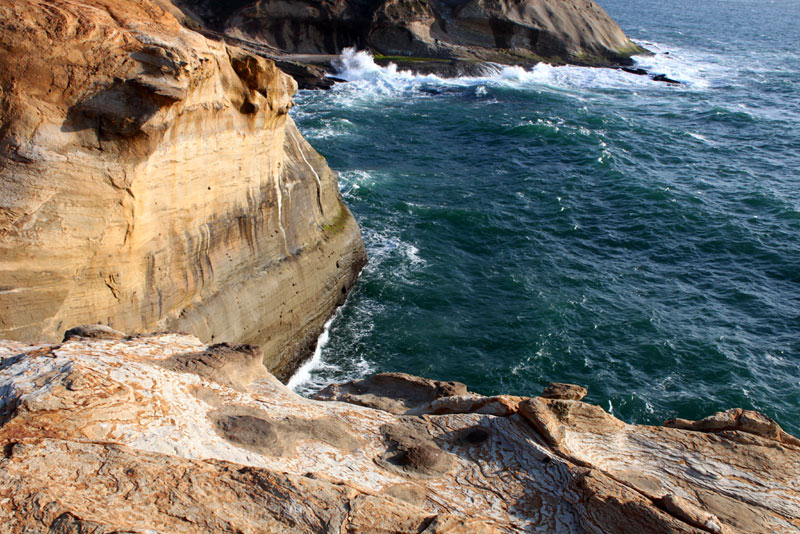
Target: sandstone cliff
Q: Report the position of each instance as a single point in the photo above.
(503, 31)
(152, 179)
(162, 433)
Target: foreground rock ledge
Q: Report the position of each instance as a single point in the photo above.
(152, 179)
(163, 433)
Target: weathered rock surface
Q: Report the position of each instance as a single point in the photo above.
(152, 179)
(466, 32)
(163, 433)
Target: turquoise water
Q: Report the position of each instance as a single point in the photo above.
(582, 225)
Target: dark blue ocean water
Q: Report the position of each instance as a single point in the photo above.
(582, 225)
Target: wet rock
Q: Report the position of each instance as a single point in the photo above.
(638, 72)
(664, 78)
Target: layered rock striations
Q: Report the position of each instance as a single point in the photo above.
(163, 433)
(470, 31)
(153, 179)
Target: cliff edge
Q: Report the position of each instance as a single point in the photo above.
(163, 433)
(435, 33)
(153, 179)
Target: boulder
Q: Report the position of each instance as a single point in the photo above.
(557, 390)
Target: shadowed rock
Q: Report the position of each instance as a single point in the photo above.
(229, 364)
(507, 31)
(93, 331)
(396, 393)
(252, 429)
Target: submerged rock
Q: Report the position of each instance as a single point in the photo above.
(164, 433)
(153, 179)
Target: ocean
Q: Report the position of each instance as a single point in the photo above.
(581, 225)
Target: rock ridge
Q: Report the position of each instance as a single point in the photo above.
(152, 433)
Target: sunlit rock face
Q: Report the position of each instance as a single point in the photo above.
(152, 179)
(163, 433)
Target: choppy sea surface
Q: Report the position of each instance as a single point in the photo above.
(581, 225)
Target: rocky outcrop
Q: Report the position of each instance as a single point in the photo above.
(152, 179)
(164, 433)
(467, 31)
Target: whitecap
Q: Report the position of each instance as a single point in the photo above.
(373, 80)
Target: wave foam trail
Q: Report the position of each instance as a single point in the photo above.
(360, 67)
(694, 69)
(303, 374)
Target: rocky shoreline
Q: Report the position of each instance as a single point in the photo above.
(444, 37)
(109, 433)
(153, 180)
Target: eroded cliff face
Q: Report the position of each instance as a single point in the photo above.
(152, 179)
(164, 433)
(504, 31)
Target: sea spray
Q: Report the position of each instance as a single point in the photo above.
(359, 67)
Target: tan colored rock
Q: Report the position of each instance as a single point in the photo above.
(153, 180)
(748, 421)
(731, 481)
(558, 390)
(151, 433)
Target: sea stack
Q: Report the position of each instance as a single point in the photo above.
(153, 180)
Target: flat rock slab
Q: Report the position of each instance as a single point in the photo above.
(103, 435)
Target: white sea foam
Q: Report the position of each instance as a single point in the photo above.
(329, 128)
(325, 373)
(303, 374)
(384, 246)
(692, 69)
(351, 181)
